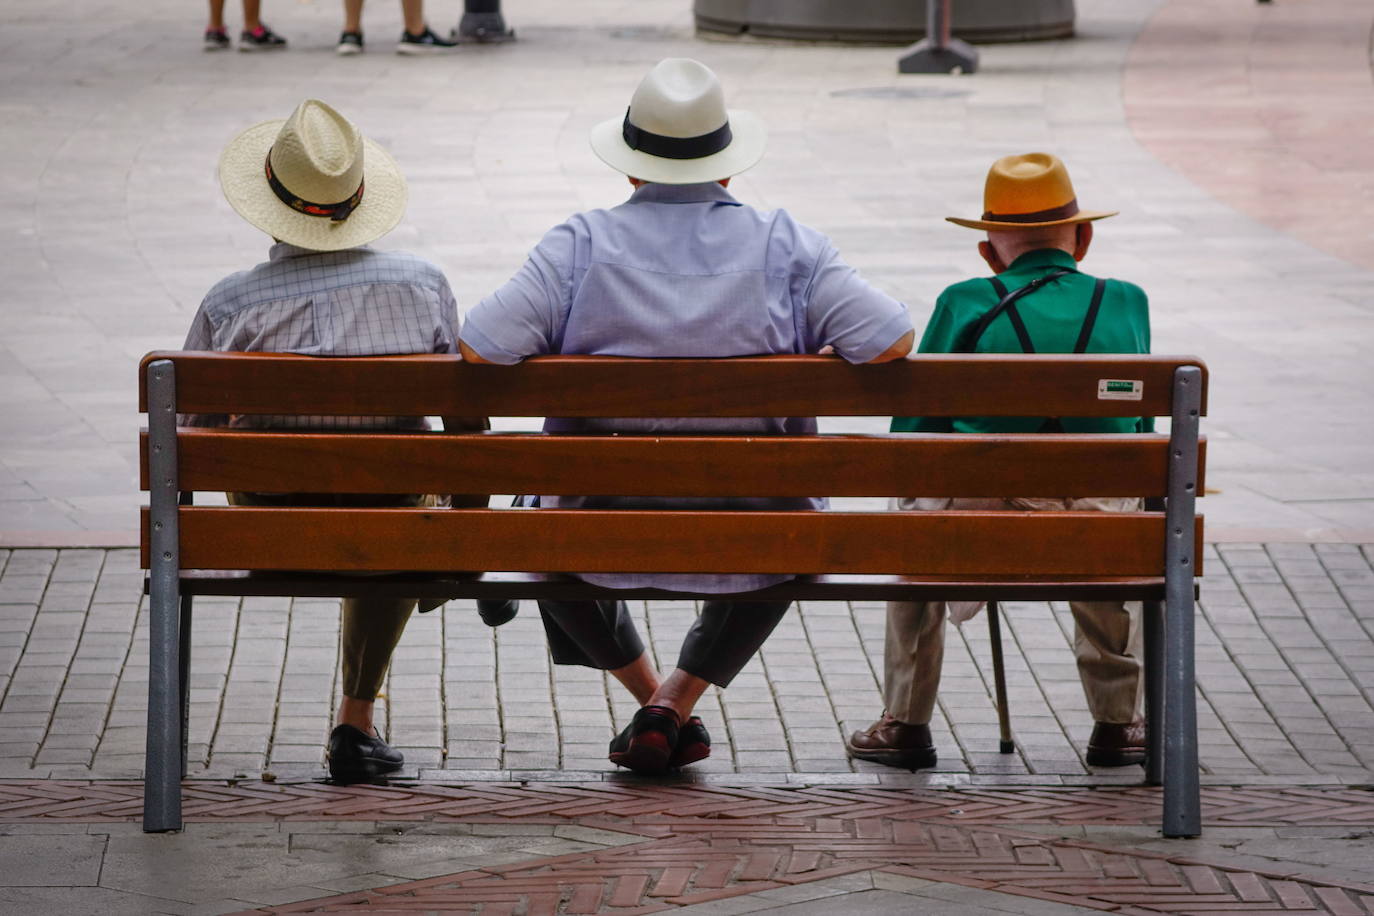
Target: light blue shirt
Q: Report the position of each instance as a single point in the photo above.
(684, 271)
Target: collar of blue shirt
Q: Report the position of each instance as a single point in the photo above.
(705, 192)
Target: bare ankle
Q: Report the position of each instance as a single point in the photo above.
(357, 713)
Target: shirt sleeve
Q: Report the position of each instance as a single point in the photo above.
(201, 336)
(525, 316)
(845, 312)
(446, 321)
(941, 335)
(1146, 424)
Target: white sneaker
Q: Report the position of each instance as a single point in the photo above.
(424, 43)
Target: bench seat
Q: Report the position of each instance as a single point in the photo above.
(555, 587)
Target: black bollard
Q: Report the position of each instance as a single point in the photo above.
(482, 21)
(938, 52)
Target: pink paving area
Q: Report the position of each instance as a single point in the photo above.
(1267, 107)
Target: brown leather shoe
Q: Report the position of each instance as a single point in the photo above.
(1117, 745)
(893, 743)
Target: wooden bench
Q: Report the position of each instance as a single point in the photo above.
(515, 553)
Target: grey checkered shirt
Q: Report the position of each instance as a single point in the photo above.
(357, 302)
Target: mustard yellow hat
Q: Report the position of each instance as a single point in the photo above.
(1029, 190)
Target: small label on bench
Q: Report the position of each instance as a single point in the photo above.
(1119, 389)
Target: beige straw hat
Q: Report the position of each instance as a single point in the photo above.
(678, 131)
(1029, 190)
(313, 180)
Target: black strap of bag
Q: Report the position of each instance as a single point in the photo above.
(1007, 303)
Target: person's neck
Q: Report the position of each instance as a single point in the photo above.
(1010, 257)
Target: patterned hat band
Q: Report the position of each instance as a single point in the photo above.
(698, 147)
(336, 212)
(1039, 216)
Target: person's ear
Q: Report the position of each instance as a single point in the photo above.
(724, 182)
(1082, 239)
(990, 255)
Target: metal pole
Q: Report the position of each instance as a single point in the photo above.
(939, 51)
(1153, 612)
(937, 22)
(1182, 803)
(999, 680)
(163, 767)
(184, 644)
(184, 678)
(482, 22)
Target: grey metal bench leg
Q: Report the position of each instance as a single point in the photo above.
(184, 678)
(1154, 692)
(1182, 794)
(163, 766)
(999, 680)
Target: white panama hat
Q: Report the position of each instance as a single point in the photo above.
(313, 180)
(678, 131)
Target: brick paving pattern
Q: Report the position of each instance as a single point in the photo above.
(1285, 660)
(711, 843)
(644, 803)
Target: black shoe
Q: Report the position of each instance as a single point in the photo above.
(216, 40)
(424, 43)
(264, 39)
(358, 757)
(350, 43)
(693, 743)
(495, 613)
(646, 745)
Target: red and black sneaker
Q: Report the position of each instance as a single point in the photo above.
(647, 743)
(261, 39)
(693, 743)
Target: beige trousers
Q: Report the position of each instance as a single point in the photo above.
(1107, 634)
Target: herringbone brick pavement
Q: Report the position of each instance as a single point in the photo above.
(649, 805)
(704, 843)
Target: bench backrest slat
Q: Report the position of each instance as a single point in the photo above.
(1006, 544)
(579, 386)
(916, 465)
(1003, 544)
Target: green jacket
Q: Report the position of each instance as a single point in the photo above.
(1053, 316)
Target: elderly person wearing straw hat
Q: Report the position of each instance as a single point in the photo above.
(322, 191)
(1037, 302)
(681, 269)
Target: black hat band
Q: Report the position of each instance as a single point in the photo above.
(336, 212)
(698, 147)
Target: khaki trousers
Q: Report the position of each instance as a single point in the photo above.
(371, 627)
(1107, 635)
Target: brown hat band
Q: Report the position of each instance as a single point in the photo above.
(1039, 216)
